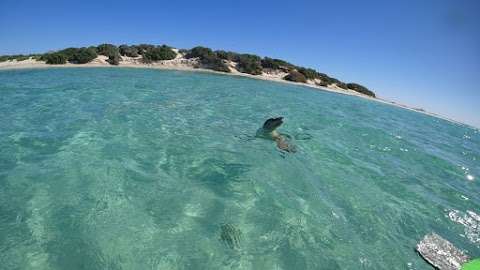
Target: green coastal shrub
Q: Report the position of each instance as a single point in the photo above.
(159, 53)
(249, 63)
(327, 80)
(114, 59)
(360, 88)
(309, 73)
(38, 57)
(79, 55)
(7, 58)
(142, 48)
(322, 83)
(342, 85)
(208, 58)
(107, 49)
(246, 63)
(295, 76)
(83, 56)
(229, 56)
(215, 63)
(130, 51)
(333, 80)
(276, 64)
(18, 57)
(69, 53)
(55, 58)
(200, 52)
(183, 51)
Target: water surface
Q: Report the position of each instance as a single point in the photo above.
(147, 169)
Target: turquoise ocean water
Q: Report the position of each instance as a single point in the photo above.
(147, 169)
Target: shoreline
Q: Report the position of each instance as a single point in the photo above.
(180, 65)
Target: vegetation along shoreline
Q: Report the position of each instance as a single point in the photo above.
(195, 58)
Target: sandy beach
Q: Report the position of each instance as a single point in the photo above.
(184, 64)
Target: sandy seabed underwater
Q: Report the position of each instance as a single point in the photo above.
(146, 169)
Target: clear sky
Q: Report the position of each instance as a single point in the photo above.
(424, 53)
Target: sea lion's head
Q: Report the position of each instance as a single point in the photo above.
(273, 123)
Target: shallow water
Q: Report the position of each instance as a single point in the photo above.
(148, 169)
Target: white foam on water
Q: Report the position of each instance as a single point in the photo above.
(467, 173)
(470, 220)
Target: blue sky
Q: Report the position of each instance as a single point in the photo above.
(421, 53)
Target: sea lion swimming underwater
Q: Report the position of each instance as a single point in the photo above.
(268, 131)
